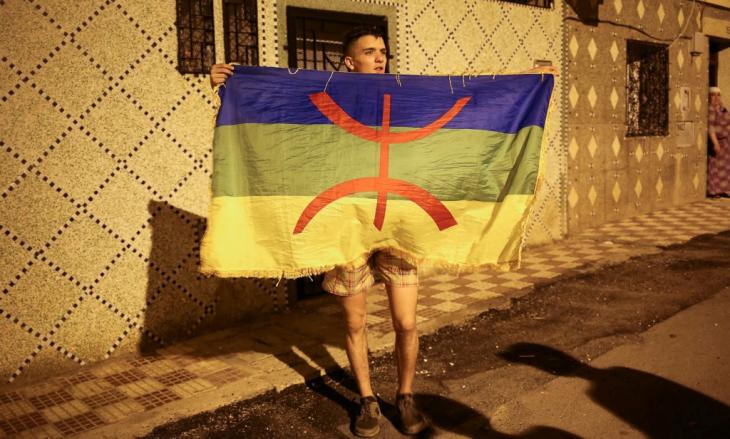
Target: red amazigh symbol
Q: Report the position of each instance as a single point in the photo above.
(381, 184)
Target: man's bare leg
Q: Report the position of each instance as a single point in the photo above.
(403, 302)
(356, 342)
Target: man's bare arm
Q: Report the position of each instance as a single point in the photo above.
(715, 142)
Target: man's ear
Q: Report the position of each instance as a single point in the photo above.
(349, 63)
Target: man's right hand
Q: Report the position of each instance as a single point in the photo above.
(219, 73)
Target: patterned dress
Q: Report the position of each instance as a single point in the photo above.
(718, 168)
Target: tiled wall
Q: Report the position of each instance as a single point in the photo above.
(104, 176)
(105, 165)
(613, 176)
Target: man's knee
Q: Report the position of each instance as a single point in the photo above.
(405, 325)
(356, 322)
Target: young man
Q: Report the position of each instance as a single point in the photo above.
(365, 51)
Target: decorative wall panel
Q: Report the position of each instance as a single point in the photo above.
(613, 176)
(105, 166)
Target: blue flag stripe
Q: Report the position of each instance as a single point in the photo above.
(505, 103)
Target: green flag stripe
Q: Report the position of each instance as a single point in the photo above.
(451, 164)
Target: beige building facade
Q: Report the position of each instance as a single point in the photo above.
(613, 173)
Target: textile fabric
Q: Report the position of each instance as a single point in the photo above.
(382, 265)
(314, 170)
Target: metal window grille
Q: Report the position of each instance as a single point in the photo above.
(538, 3)
(314, 37)
(240, 28)
(196, 41)
(647, 89)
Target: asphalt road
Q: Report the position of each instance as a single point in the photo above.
(637, 349)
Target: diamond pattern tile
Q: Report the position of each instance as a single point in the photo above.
(71, 70)
(13, 258)
(146, 92)
(28, 49)
(123, 190)
(153, 18)
(128, 273)
(34, 211)
(70, 15)
(144, 164)
(160, 321)
(36, 123)
(126, 132)
(114, 51)
(184, 127)
(77, 150)
(70, 249)
(90, 317)
(20, 301)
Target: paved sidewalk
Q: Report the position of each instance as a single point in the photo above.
(134, 394)
(671, 382)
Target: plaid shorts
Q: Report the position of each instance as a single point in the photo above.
(381, 265)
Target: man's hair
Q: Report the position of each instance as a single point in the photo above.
(360, 31)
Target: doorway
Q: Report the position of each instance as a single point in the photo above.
(720, 63)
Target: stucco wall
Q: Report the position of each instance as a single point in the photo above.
(105, 164)
(613, 176)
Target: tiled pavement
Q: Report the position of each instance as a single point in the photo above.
(128, 395)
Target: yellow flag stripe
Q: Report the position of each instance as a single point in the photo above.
(252, 236)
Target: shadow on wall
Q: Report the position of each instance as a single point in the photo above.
(586, 10)
(657, 407)
(181, 304)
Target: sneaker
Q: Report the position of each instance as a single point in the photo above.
(367, 423)
(412, 420)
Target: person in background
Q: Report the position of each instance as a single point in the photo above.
(718, 166)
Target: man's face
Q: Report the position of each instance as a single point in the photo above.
(367, 55)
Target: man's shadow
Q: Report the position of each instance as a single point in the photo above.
(182, 304)
(446, 414)
(658, 407)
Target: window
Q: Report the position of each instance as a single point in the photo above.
(538, 3)
(241, 32)
(314, 37)
(196, 33)
(195, 37)
(647, 89)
